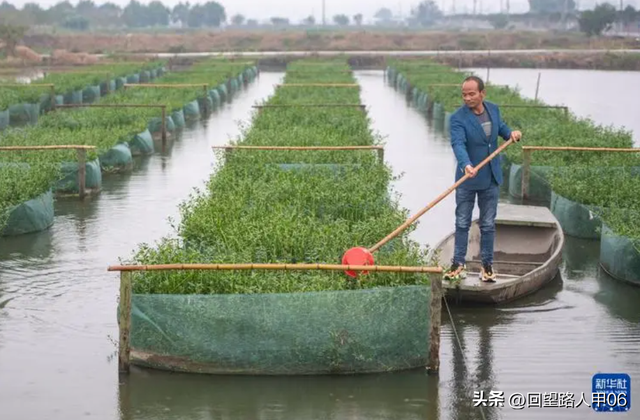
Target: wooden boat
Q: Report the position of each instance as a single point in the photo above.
(527, 254)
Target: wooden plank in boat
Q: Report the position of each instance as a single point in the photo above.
(519, 215)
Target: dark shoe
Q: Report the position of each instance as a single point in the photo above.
(456, 272)
(487, 274)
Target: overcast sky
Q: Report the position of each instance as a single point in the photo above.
(298, 10)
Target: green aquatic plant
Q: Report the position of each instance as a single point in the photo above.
(103, 128)
(602, 180)
(289, 206)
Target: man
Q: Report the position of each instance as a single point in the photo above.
(475, 128)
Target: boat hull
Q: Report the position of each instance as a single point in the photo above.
(527, 256)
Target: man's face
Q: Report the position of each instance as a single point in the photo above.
(471, 95)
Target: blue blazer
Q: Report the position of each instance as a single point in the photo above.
(471, 146)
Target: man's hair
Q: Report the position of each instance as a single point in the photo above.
(478, 81)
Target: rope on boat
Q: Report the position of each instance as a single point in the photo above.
(455, 333)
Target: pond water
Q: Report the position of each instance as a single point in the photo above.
(58, 305)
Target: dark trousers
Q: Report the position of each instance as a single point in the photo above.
(488, 205)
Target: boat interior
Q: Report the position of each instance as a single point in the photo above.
(520, 247)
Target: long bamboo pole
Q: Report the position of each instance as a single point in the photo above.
(457, 85)
(319, 85)
(53, 147)
(528, 150)
(28, 85)
(300, 147)
(583, 149)
(110, 106)
(277, 267)
(310, 106)
(380, 149)
(319, 72)
(438, 199)
(564, 108)
(163, 109)
(166, 85)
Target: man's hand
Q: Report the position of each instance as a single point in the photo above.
(470, 170)
(516, 136)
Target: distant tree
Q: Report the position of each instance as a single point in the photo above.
(108, 14)
(134, 15)
(598, 20)
(35, 14)
(210, 14)
(551, 6)
(252, 22)
(11, 35)
(341, 20)
(180, 13)
(357, 18)
(77, 23)
(7, 7)
(384, 14)
(499, 21)
(237, 19)
(85, 7)
(279, 21)
(60, 12)
(629, 15)
(309, 20)
(427, 13)
(157, 14)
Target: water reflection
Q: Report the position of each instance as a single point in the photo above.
(609, 294)
(581, 257)
(38, 246)
(146, 395)
(472, 336)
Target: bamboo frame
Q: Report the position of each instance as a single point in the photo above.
(319, 85)
(82, 159)
(28, 85)
(528, 150)
(124, 307)
(205, 86)
(51, 147)
(564, 108)
(435, 312)
(166, 85)
(163, 109)
(380, 149)
(318, 72)
(279, 267)
(109, 75)
(460, 85)
(311, 106)
(51, 86)
(76, 71)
